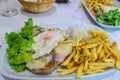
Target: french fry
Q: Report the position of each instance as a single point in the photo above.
(91, 67)
(77, 56)
(68, 71)
(99, 48)
(79, 38)
(80, 62)
(100, 68)
(101, 8)
(116, 53)
(101, 55)
(81, 5)
(93, 12)
(60, 70)
(109, 60)
(75, 52)
(108, 53)
(89, 71)
(86, 65)
(90, 5)
(114, 46)
(70, 65)
(81, 44)
(79, 71)
(93, 54)
(91, 45)
(117, 65)
(91, 8)
(68, 59)
(86, 53)
(102, 64)
(90, 58)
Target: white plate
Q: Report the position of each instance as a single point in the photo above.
(27, 75)
(94, 18)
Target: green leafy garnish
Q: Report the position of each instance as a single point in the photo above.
(19, 46)
(111, 18)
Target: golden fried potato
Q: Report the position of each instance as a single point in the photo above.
(96, 6)
(91, 56)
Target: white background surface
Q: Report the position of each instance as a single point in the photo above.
(65, 13)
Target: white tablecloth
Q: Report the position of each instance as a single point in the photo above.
(63, 13)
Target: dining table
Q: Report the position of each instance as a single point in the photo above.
(61, 13)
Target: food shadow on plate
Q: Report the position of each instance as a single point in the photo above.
(30, 14)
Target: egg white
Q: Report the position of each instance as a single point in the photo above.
(43, 47)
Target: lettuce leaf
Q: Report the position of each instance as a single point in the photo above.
(19, 46)
(26, 32)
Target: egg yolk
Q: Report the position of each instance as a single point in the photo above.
(49, 35)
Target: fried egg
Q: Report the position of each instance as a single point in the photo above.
(46, 42)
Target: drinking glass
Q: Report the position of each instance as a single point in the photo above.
(8, 12)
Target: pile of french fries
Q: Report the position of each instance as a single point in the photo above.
(96, 6)
(91, 56)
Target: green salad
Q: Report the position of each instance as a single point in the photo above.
(111, 18)
(19, 46)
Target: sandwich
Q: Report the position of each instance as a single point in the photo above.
(50, 48)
